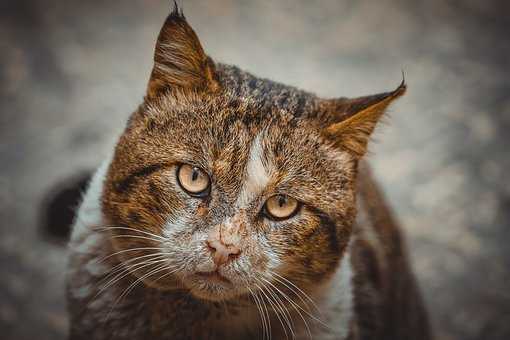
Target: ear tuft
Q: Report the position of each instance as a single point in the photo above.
(176, 11)
(354, 120)
(179, 59)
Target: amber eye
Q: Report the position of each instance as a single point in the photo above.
(280, 207)
(193, 180)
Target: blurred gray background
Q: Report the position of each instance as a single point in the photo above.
(72, 71)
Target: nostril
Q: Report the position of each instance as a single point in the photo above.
(233, 256)
(233, 252)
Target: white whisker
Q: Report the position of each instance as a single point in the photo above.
(137, 237)
(265, 328)
(286, 297)
(105, 228)
(297, 306)
(296, 287)
(124, 265)
(135, 283)
(128, 271)
(126, 251)
(285, 312)
(274, 308)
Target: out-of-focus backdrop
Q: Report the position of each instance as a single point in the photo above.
(72, 71)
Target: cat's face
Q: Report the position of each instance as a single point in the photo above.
(221, 193)
(227, 192)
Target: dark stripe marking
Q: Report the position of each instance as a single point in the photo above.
(126, 183)
(330, 226)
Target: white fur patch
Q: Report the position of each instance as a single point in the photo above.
(258, 174)
(89, 213)
(337, 302)
(174, 225)
(343, 292)
(84, 239)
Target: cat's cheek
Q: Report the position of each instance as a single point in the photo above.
(177, 227)
(185, 240)
(297, 243)
(273, 256)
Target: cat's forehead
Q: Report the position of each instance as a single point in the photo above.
(224, 118)
(242, 141)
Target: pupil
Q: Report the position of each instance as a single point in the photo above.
(281, 201)
(194, 174)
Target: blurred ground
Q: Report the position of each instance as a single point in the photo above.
(72, 71)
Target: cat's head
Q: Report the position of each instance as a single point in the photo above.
(224, 183)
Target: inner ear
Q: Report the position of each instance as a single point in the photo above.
(179, 59)
(348, 123)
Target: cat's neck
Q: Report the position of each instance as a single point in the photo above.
(326, 312)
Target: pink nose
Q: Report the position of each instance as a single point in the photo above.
(221, 252)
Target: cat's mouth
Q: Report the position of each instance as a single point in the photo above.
(211, 285)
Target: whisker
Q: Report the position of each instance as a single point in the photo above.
(295, 305)
(113, 227)
(134, 284)
(126, 251)
(135, 236)
(123, 265)
(274, 308)
(267, 316)
(169, 273)
(307, 306)
(297, 288)
(126, 272)
(285, 312)
(140, 279)
(261, 313)
(286, 297)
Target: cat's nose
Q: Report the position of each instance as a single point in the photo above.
(221, 252)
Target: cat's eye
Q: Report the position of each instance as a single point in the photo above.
(281, 207)
(193, 180)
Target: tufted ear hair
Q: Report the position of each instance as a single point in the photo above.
(179, 59)
(351, 121)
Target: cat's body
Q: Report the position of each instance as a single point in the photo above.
(334, 268)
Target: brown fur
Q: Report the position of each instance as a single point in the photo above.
(388, 304)
(208, 115)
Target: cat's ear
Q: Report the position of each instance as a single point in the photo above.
(350, 122)
(179, 59)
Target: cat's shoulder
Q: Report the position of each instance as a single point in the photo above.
(387, 300)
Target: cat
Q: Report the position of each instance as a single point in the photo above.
(235, 207)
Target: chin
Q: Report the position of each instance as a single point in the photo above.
(212, 287)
